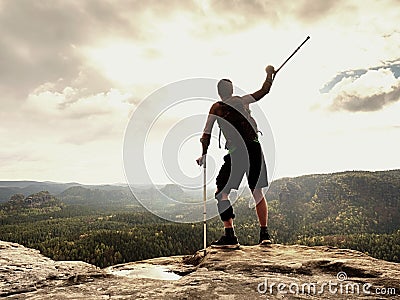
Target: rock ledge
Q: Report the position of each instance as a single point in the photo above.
(274, 272)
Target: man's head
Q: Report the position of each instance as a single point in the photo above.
(225, 88)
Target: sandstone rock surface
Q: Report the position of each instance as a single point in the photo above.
(254, 272)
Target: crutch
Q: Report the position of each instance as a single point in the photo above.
(204, 203)
(308, 37)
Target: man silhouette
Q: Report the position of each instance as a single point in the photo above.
(244, 156)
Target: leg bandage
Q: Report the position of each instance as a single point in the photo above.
(225, 208)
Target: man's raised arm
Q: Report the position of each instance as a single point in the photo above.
(266, 85)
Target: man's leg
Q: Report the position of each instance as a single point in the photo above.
(261, 207)
(257, 178)
(262, 214)
(229, 239)
(225, 210)
(223, 181)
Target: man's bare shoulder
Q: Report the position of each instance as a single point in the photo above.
(216, 108)
(247, 99)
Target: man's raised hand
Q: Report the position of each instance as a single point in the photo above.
(270, 69)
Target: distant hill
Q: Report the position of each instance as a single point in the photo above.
(38, 202)
(110, 195)
(338, 203)
(9, 188)
(7, 192)
(173, 191)
(119, 196)
(333, 203)
(18, 184)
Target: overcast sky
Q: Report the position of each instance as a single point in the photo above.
(73, 72)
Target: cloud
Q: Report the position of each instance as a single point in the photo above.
(364, 91)
(393, 66)
(101, 115)
(40, 40)
(314, 11)
(37, 41)
(65, 134)
(355, 103)
(234, 16)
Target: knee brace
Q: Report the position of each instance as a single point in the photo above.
(225, 208)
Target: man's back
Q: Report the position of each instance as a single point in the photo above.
(235, 121)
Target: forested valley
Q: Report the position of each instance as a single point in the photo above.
(107, 225)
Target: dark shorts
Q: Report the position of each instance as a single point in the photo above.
(240, 162)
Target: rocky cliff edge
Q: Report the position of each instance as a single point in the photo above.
(255, 272)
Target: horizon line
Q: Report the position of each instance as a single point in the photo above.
(156, 184)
